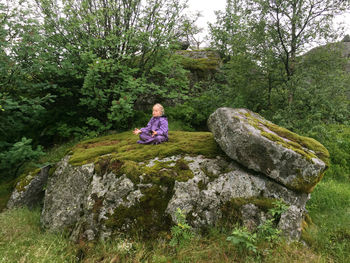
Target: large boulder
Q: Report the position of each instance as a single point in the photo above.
(93, 201)
(292, 160)
(111, 184)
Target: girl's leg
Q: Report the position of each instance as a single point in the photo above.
(145, 138)
(159, 139)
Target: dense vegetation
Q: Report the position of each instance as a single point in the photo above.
(82, 68)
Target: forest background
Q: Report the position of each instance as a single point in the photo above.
(78, 69)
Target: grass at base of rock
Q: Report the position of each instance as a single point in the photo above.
(22, 240)
(328, 239)
(124, 146)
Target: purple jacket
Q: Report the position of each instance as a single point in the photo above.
(158, 124)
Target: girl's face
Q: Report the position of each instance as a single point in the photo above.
(156, 112)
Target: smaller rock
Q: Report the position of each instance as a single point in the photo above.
(30, 190)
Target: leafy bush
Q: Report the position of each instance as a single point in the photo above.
(12, 160)
(336, 138)
(244, 239)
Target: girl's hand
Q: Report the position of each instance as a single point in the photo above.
(154, 133)
(136, 131)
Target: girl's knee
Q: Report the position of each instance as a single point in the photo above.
(144, 136)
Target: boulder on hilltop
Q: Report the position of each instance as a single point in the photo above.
(111, 184)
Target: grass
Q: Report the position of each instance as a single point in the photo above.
(22, 240)
(330, 211)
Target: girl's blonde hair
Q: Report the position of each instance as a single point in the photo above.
(160, 107)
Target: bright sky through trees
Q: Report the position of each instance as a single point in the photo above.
(207, 9)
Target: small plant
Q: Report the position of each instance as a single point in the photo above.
(268, 231)
(243, 239)
(181, 233)
(279, 207)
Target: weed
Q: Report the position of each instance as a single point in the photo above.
(181, 233)
(244, 239)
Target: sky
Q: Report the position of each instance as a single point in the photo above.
(207, 8)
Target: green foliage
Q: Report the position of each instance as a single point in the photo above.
(279, 207)
(109, 92)
(229, 32)
(268, 232)
(21, 115)
(73, 72)
(181, 233)
(337, 140)
(244, 239)
(168, 78)
(19, 153)
(320, 91)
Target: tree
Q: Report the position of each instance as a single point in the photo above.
(229, 34)
(291, 26)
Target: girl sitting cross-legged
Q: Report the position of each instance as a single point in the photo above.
(156, 130)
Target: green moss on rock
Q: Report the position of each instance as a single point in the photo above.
(123, 146)
(290, 140)
(202, 60)
(147, 217)
(25, 179)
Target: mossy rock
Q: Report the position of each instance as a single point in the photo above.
(29, 188)
(25, 179)
(202, 60)
(308, 147)
(296, 161)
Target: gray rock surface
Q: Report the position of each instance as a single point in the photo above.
(87, 203)
(247, 138)
(65, 192)
(30, 190)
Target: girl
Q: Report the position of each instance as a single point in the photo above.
(156, 130)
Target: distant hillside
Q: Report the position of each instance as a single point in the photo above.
(342, 48)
